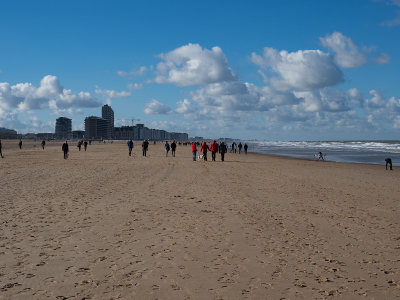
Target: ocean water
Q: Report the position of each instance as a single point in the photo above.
(367, 152)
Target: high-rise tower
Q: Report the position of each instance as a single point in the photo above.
(107, 113)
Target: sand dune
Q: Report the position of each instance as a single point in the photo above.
(103, 225)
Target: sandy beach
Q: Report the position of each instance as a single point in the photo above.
(103, 225)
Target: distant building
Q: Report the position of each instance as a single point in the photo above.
(63, 128)
(96, 128)
(45, 136)
(124, 133)
(107, 113)
(78, 134)
(8, 133)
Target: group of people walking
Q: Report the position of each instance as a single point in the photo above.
(214, 148)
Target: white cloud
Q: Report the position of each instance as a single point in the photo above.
(382, 59)
(376, 101)
(192, 65)
(50, 94)
(133, 73)
(346, 51)
(156, 108)
(111, 94)
(135, 86)
(185, 107)
(308, 69)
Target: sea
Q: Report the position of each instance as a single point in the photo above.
(365, 152)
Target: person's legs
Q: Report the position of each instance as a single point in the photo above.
(194, 156)
(213, 156)
(222, 156)
(205, 156)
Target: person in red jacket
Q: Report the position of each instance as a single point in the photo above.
(194, 150)
(204, 149)
(213, 149)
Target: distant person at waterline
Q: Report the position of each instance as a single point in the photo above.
(130, 147)
(1, 153)
(240, 147)
(20, 144)
(388, 162)
(245, 147)
(320, 156)
(65, 149)
(43, 144)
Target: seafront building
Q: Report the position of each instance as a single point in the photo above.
(96, 128)
(8, 133)
(107, 113)
(63, 128)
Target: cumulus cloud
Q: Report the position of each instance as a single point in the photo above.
(304, 69)
(133, 73)
(156, 108)
(192, 65)
(346, 51)
(50, 94)
(111, 94)
(185, 107)
(377, 100)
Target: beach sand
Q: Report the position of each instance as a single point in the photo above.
(103, 225)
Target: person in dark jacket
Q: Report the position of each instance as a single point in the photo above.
(130, 147)
(245, 147)
(222, 150)
(145, 147)
(65, 149)
(85, 145)
(1, 153)
(43, 144)
(240, 147)
(173, 148)
(167, 147)
(388, 162)
(20, 144)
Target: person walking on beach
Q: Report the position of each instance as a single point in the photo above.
(222, 150)
(85, 145)
(204, 148)
(1, 152)
(130, 147)
(320, 156)
(167, 147)
(240, 147)
(388, 162)
(65, 149)
(213, 149)
(20, 144)
(43, 144)
(145, 147)
(79, 145)
(173, 148)
(194, 151)
(245, 147)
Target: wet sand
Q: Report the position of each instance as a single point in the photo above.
(103, 225)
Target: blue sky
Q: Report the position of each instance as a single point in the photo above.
(268, 70)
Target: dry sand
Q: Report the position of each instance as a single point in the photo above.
(103, 225)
